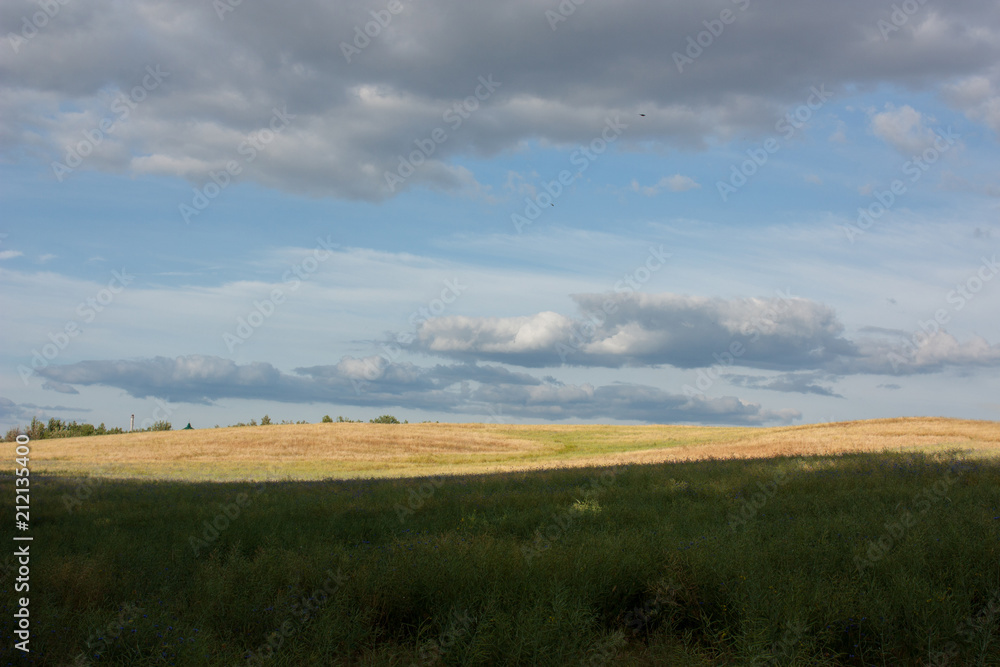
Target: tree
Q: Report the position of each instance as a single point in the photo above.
(265, 421)
(162, 425)
(384, 419)
(327, 419)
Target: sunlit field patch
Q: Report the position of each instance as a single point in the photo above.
(351, 450)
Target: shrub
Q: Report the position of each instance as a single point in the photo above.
(384, 419)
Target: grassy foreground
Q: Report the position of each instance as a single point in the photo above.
(855, 559)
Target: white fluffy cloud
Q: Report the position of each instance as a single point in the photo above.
(903, 128)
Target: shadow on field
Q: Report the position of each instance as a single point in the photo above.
(860, 559)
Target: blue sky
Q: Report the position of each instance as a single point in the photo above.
(197, 223)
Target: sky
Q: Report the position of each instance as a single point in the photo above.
(721, 212)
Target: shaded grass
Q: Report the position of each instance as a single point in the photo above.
(653, 564)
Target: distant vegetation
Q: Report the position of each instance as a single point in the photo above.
(57, 428)
(327, 419)
(384, 419)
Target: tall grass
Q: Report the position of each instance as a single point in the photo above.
(860, 559)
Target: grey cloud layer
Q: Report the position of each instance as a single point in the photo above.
(635, 329)
(457, 389)
(354, 118)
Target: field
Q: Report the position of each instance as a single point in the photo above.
(862, 543)
(353, 450)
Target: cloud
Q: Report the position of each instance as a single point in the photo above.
(840, 134)
(637, 329)
(10, 254)
(906, 353)
(59, 387)
(903, 129)
(373, 381)
(798, 383)
(356, 116)
(788, 334)
(675, 183)
(977, 96)
(11, 412)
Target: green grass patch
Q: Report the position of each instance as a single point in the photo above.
(846, 560)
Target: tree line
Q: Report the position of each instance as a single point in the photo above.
(57, 428)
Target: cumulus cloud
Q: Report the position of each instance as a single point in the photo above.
(635, 329)
(903, 128)
(375, 382)
(978, 96)
(355, 115)
(638, 329)
(892, 352)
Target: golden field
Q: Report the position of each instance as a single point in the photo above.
(347, 450)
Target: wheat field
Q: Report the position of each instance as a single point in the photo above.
(351, 450)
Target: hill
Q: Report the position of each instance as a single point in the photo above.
(352, 450)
